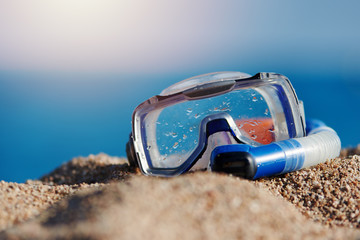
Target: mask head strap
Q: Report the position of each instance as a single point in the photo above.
(130, 153)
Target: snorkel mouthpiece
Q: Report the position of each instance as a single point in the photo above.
(322, 143)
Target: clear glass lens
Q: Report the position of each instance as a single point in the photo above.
(172, 133)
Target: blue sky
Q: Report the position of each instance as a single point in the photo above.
(177, 36)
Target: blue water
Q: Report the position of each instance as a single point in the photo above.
(49, 118)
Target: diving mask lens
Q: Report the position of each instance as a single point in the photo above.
(175, 134)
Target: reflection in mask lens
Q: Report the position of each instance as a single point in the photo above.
(176, 131)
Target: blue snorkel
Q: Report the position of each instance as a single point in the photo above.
(320, 144)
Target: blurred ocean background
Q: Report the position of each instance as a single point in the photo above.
(71, 72)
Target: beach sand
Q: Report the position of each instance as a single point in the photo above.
(100, 197)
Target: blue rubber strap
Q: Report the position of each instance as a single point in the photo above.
(312, 124)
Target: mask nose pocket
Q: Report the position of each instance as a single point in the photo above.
(214, 140)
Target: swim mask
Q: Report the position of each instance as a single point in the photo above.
(251, 126)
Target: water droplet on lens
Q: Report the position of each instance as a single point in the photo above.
(190, 129)
(148, 147)
(176, 144)
(189, 110)
(254, 99)
(266, 112)
(174, 135)
(197, 115)
(195, 141)
(184, 136)
(253, 136)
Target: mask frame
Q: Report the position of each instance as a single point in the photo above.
(292, 107)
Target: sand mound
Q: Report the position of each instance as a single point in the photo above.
(19, 202)
(99, 168)
(328, 192)
(99, 198)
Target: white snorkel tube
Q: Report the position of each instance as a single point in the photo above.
(320, 144)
